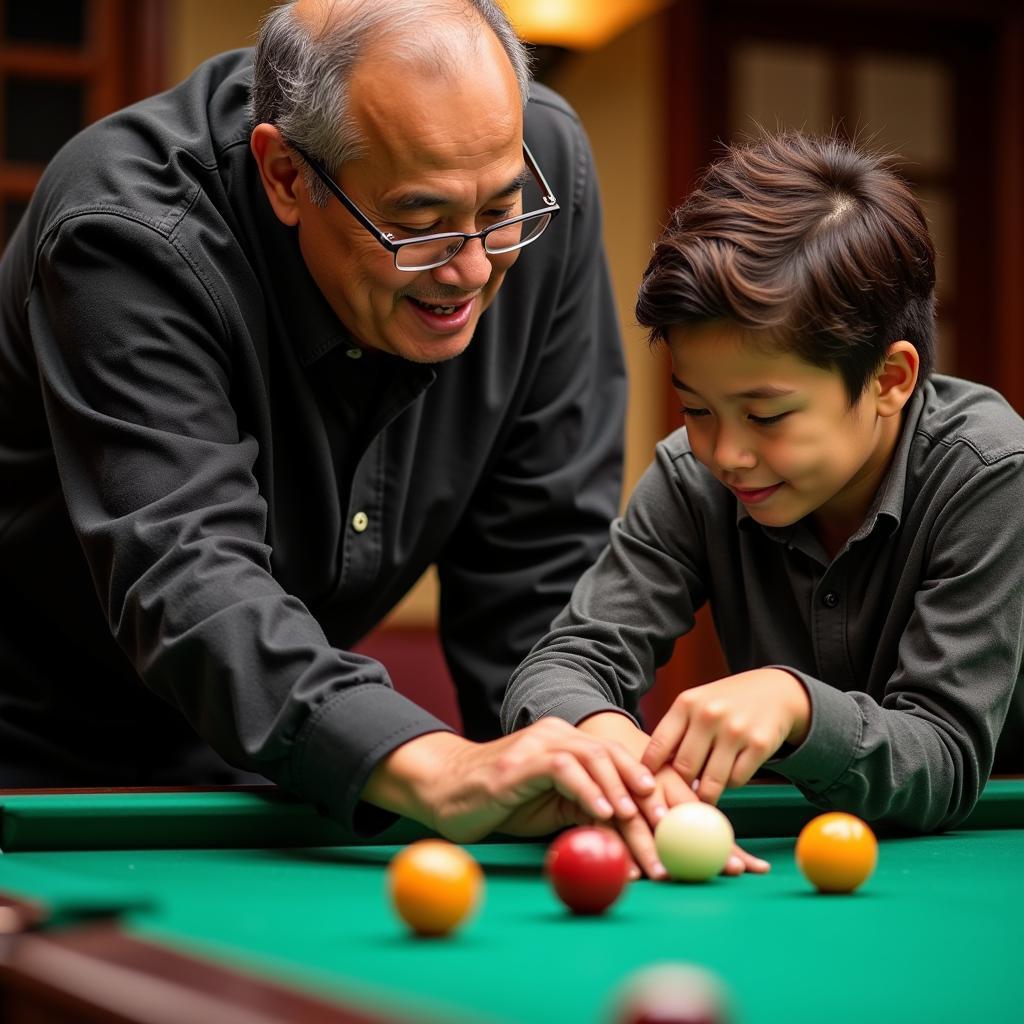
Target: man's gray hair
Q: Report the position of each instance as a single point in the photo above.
(301, 73)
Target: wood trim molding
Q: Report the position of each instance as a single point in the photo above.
(100, 974)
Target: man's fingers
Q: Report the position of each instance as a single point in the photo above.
(602, 762)
(653, 807)
(600, 775)
(572, 780)
(637, 777)
(640, 840)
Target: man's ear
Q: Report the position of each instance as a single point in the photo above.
(279, 172)
(895, 381)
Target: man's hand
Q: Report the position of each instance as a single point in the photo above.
(670, 789)
(719, 734)
(532, 782)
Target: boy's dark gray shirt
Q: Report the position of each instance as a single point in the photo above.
(909, 642)
(179, 404)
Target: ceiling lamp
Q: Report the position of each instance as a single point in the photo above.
(577, 24)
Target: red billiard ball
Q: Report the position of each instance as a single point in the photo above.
(672, 993)
(588, 867)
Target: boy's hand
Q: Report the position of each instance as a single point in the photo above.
(670, 790)
(722, 732)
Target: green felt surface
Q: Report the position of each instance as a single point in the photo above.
(936, 934)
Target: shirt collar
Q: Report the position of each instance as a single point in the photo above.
(311, 324)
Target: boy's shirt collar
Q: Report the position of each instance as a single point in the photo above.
(886, 510)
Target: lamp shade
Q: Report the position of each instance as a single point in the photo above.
(576, 24)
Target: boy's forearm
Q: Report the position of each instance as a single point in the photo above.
(618, 726)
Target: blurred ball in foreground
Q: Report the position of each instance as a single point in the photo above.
(672, 993)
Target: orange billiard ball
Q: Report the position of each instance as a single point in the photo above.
(836, 852)
(434, 886)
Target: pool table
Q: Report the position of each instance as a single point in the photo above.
(247, 907)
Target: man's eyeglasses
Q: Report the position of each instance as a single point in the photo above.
(425, 252)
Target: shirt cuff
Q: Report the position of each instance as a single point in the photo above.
(832, 741)
(575, 709)
(348, 736)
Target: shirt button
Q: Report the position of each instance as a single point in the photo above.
(360, 521)
(831, 599)
(354, 353)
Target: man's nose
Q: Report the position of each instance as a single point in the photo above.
(469, 269)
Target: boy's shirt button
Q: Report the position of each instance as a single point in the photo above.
(831, 599)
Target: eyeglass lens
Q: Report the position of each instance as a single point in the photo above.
(433, 252)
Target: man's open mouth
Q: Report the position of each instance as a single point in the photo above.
(435, 309)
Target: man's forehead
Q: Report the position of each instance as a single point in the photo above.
(409, 198)
(449, 86)
(418, 135)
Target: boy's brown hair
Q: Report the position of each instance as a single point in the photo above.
(818, 245)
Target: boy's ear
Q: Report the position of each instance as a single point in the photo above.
(278, 172)
(895, 381)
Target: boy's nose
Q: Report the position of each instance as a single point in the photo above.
(732, 453)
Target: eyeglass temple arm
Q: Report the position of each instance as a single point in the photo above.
(549, 197)
(335, 189)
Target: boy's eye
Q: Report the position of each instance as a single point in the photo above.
(693, 413)
(767, 421)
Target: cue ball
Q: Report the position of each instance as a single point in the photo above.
(836, 852)
(672, 993)
(693, 841)
(434, 885)
(588, 867)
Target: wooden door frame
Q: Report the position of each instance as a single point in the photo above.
(121, 60)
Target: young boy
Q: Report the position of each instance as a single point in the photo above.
(853, 520)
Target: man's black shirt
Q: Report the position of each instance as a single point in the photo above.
(190, 443)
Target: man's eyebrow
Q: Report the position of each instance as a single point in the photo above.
(766, 391)
(410, 202)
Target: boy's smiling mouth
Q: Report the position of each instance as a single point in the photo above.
(754, 495)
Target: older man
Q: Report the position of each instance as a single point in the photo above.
(271, 345)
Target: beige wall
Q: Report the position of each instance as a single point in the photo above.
(616, 91)
(201, 28)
